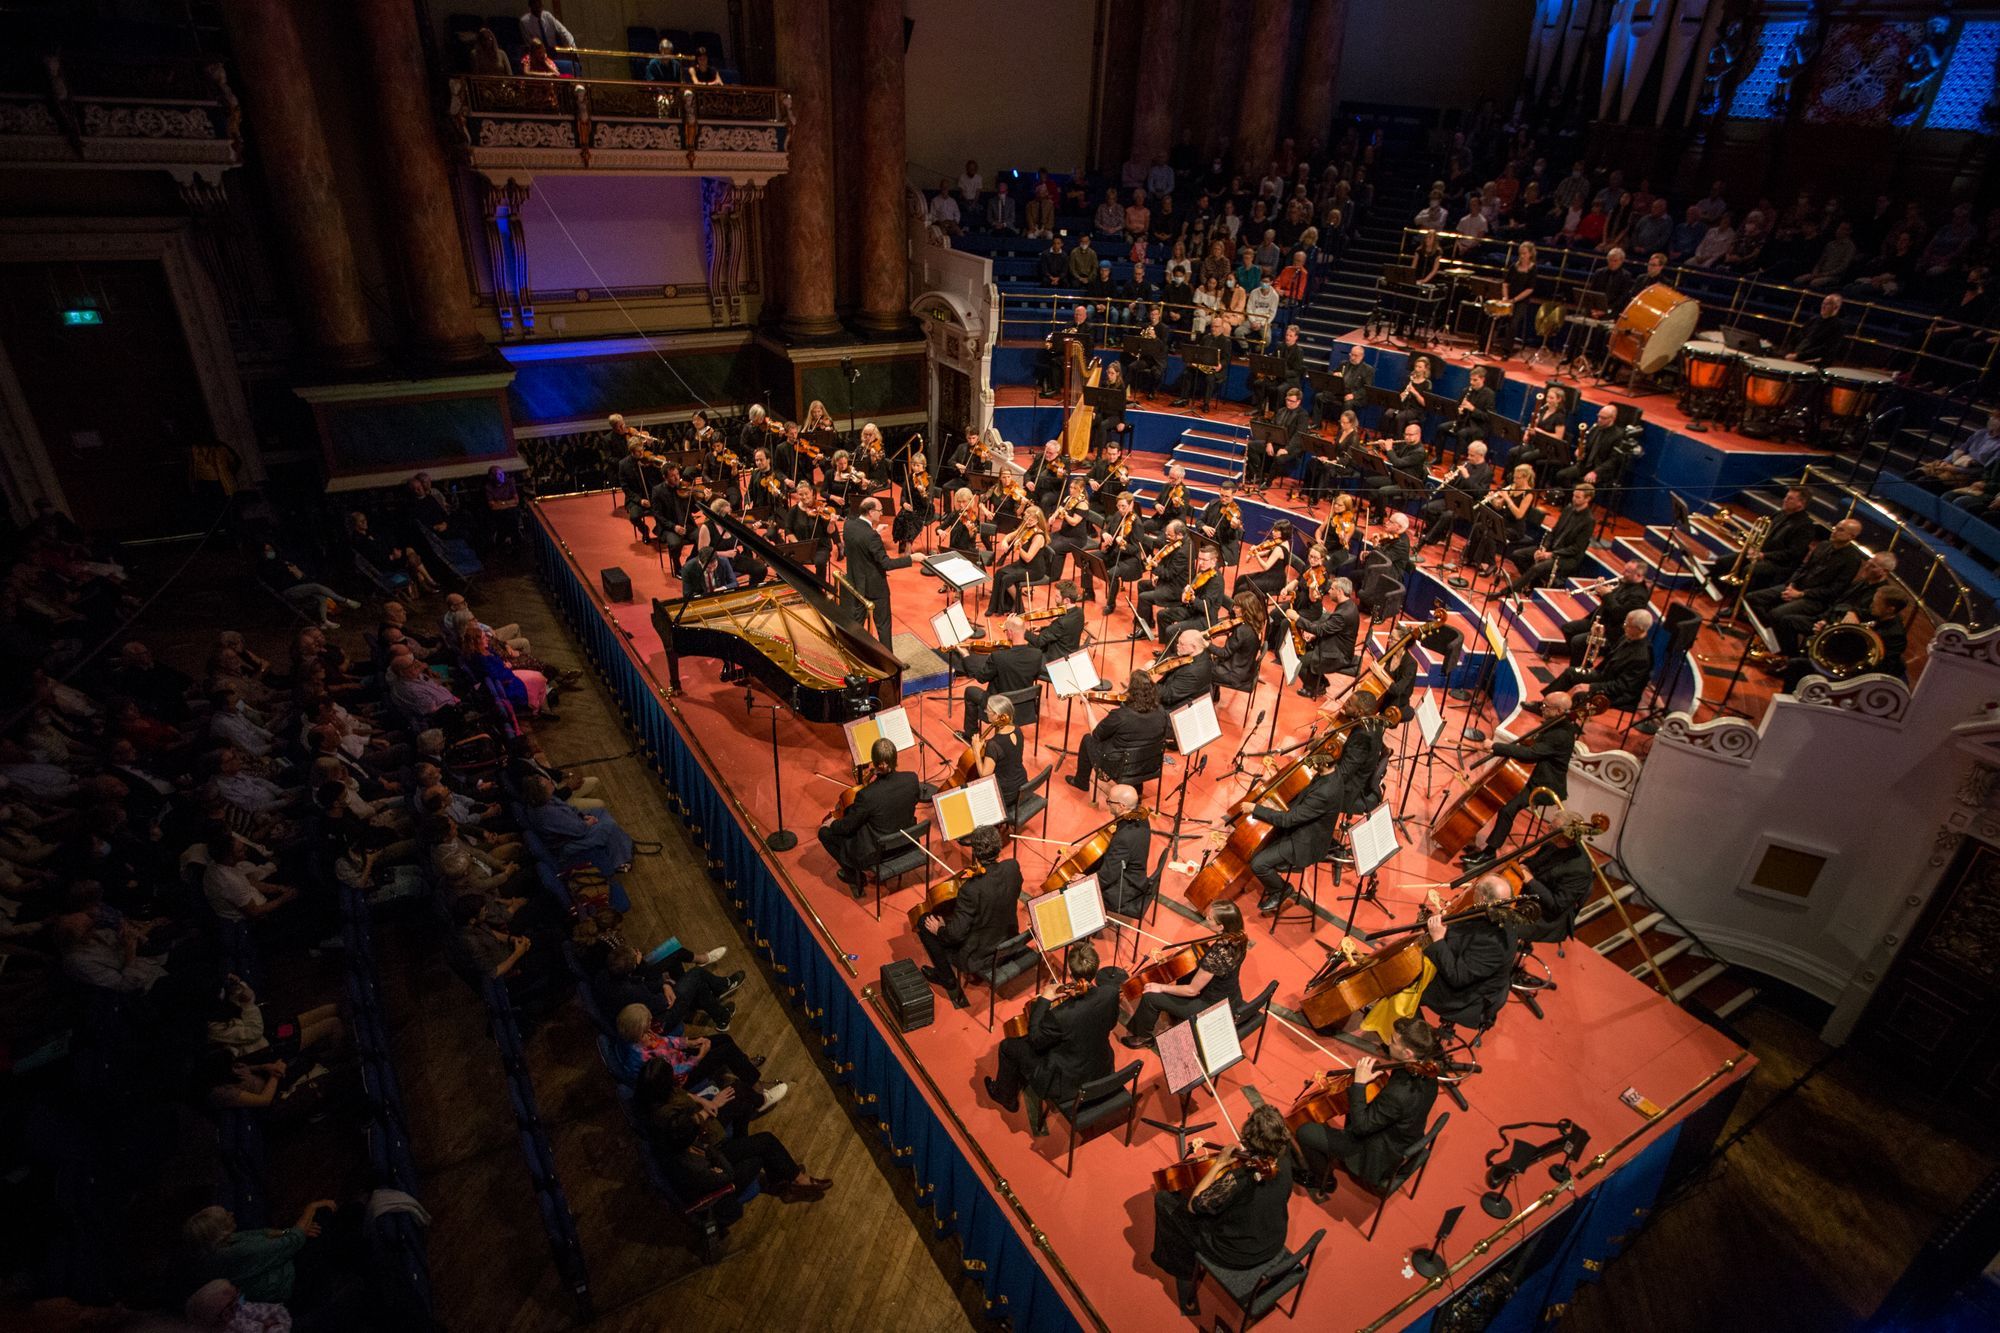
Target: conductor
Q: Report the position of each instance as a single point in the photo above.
(869, 563)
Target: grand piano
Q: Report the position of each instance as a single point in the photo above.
(790, 634)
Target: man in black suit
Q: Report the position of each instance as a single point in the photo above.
(1185, 682)
(1548, 748)
(1063, 635)
(1216, 524)
(1627, 595)
(1561, 877)
(1472, 478)
(869, 563)
(1626, 667)
(1594, 451)
(1013, 667)
(1068, 1042)
(1302, 832)
(1124, 871)
(1786, 543)
(672, 525)
(1126, 744)
(1820, 338)
(1267, 391)
(1560, 550)
(1357, 377)
(985, 914)
(1203, 598)
(1271, 460)
(1473, 410)
(874, 823)
(1214, 343)
(1330, 640)
(635, 480)
(1381, 1126)
(1790, 611)
(1409, 464)
(1474, 960)
(1170, 573)
(1396, 546)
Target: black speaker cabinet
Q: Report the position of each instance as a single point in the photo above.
(910, 998)
(617, 584)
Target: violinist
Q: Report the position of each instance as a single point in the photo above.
(701, 435)
(1201, 601)
(1127, 743)
(1562, 873)
(1109, 475)
(763, 486)
(1237, 1215)
(1013, 666)
(1395, 547)
(811, 520)
(790, 448)
(1073, 534)
(844, 484)
(1195, 677)
(1387, 1112)
(1305, 827)
(918, 507)
(1548, 747)
(996, 749)
(705, 567)
(985, 914)
(1215, 980)
(1119, 546)
(1221, 522)
(870, 459)
(1241, 653)
(746, 570)
(1064, 634)
(669, 507)
(635, 478)
(956, 465)
(1024, 558)
(1330, 639)
(1272, 561)
(962, 534)
(1472, 478)
(872, 826)
(818, 420)
(1173, 501)
(1068, 1043)
(1044, 481)
(1165, 571)
(756, 430)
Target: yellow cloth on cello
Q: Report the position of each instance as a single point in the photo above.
(1383, 1014)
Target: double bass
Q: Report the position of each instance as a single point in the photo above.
(1377, 679)
(1499, 781)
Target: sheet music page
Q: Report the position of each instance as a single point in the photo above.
(1048, 917)
(1374, 839)
(957, 571)
(1086, 907)
(1288, 658)
(1429, 720)
(985, 803)
(895, 724)
(1062, 678)
(954, 813)
(1215, 1028)
(1179, 1060)
(1084, 669)
(1195, 724)
(961, 628)
(862, 734)
(944, 631)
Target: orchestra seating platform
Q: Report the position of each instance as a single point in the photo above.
(1057, 1250)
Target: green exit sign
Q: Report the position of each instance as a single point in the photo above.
(78, 318)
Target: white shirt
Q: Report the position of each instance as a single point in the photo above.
(971, 187)
(944, 208)
(1433, 217)
(229, 891)
(1262, 307)
(547, 27)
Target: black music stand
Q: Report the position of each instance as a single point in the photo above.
(1328, 389)
(1102, 398)
(1261, 434)
(1152, 352)
(1211, 362)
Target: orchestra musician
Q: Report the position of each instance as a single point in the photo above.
(962, 534)
(1629, 593)
(1395, 546)
(1272, 460)
(1792, 623)
(1073, 535)
(755, 430)
(745, 569)
(870, 459)
(1122, 871)
(1474, 959)
(1357, 377)
(997, 749)
(1786, 543)
(1387, 1112)
(1024, 560)
(1410, 406)
(1110, 476)
(869, 563)
(1221, 522)
(1151, 362)
(1305, 826)
(1049, 362)
(1273, 560)
(1472, 478)
(872, 826)
(1267, 391)
(763, 485)
(1108, 425)
(705, 567)
(1127, 742)
(1216, 979)
(1171, 562)
(1195, 677)
(1548, 749)
(1883, 613)
(1473, 409)
(1173, 500)
(1598, 452)
(1502, 521)
(1560, 877)
(633, 479)
(1237, 1215)
(1044, 482)
(1200, 602)
(1119, 546)
(1241, 653)
(812, 521)
(1326, 468)
(669, 507)
(1015, 665)
(1330, 639)
(1547, 440)
(1064, 634)
(1609, 290)
(1560, 550)
(1195, 379)
(1622, 675)
(1409, 462)
(1819, 580)
(956, 465)
(1069, 1040)
(985, 914)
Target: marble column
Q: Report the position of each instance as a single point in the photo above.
(805, 218)
(425, 237)
(283, 124)
(878, 194)
(1318, 95)
(1263, 85)
(1159, 64)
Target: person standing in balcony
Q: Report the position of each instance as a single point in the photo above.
(538, 25)
(487, 57)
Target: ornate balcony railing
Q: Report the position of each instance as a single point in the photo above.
(515, 124)
(177, 115)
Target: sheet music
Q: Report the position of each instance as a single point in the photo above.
(1215, 1029)
(1048, 917)
(1195, 724)
(1085, 900)
(1429, 720)
(1179, 1060)
(1288, 658)
(1374, 839)
(1074, 675)
(890, 723)
(956, 570)
(1067, 915)
(963, 809)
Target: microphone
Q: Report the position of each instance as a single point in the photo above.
(1260, 718)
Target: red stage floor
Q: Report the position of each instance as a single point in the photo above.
(1604, 1031)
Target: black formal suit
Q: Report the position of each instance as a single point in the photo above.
(1597, 452)
(872, 825)
(1237, 659)
(1402, 684)
(1067, 1046)
(1621, 676)
(1566, 544)
(1124, 871)
(1561, 882)
(1476, 480)
(868, 566)
(637, 488)
(1124, 746)
(1379, 1129)
(1475, 966)
(1826, 573)
(1333, 637)
(1265, 391)
(1198, 608)
(1410, 460)
(1785, 546)
(1015, 667)
(1060, 637)
(1548, 749)
(1396, 550)
(1218, 529)
(1620, 601)
(1469, 423)
(1184, 683)
(1355, 381)
(986, 913)
(1274, 466)
(1302, 833)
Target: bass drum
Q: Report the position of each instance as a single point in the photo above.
(1653, 328)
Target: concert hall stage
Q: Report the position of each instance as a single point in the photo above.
(1056, 1252)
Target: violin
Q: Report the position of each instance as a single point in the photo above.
(1327, 1095)
(1017, 1026)
(1232, 513)
(1183, 1176)
(943, 894)
(1199, 582)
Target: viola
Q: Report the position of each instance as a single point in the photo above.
(1183, 1176)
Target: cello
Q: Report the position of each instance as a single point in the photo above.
(1017, 1026)
(1183, 1176)
(1498, 782)
(1168, 965)
(1327, 1097)
(943, 894)
(1083, 855)
(1343, 990)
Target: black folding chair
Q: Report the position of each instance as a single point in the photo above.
(1099, 1101)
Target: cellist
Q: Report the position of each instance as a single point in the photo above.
(1469, 965)
(880, 811)
(1382, 1125)
(1122, 872)
(1216, 979)
(1068, 1042)
(1306, 825)
(1548, 748)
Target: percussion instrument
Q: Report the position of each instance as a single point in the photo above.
(1851, 393)
(1499, 309)
(1653, 328)
(1771, 383)
(1705, 366)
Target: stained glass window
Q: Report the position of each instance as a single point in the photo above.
(1967, 85)
(1752, 99)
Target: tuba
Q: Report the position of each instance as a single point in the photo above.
(1841, 652)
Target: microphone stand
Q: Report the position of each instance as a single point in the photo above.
(780, 839)
(1188, 770)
